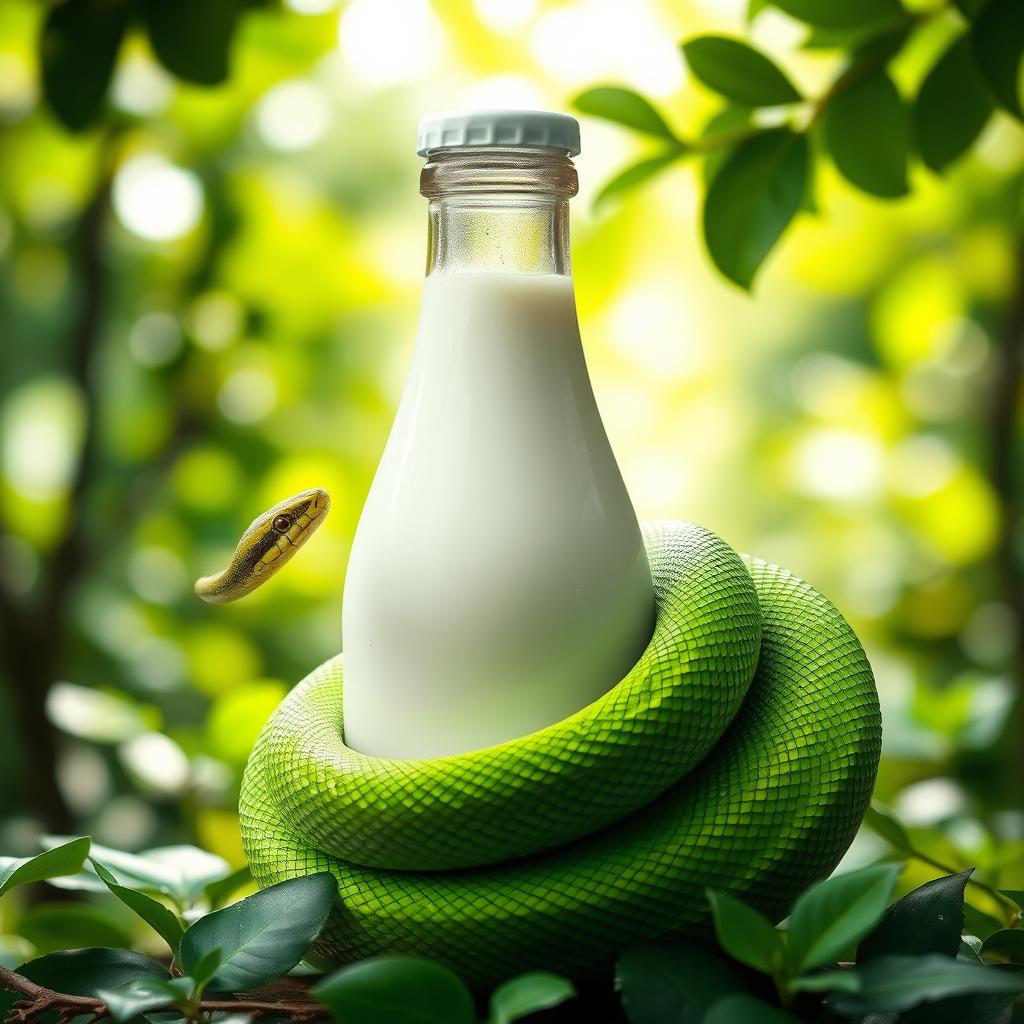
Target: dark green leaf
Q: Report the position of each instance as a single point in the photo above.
(927, 920)
(971, 1009)
(998, 37)
(866, 133)
(1006, 946)
(856, 39)
(396, 990)
(625, 107)
(192, 38)
(884, 823)
(218, 892)
(61, 860)
(263, 936)
(970, 8)
(53, 926)
(745, 934)
(77, 49)
(843, 14)
(952, 106)
(832, 916)
(145, 994)
(83, 972)
(672, 982)
(720, 134)
(1017, 895)
(155, 914)
(969, 949)
(635, 175)
(891, 984)
(527, 994)
(746, 1010)
(738, 72)
(752, 200)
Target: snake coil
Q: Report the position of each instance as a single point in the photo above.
(739, 752)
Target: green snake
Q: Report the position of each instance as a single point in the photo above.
(738, 753)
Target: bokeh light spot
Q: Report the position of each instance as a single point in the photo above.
(389, 41)
(155, 339)
(155, 762)
(215, 319)
(157, 574)
(42, 430)
(293, 115)
(156, 200)
(505, 15)
(838, 464)
(247, 395)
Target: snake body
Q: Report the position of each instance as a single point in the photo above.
(739, 753)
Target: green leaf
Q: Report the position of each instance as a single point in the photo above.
(83, 972)
(155, 914)
(77, 50)
(857, 39)
(61, 860)
(206, 969)
(528, 994)
(998, 37)
(970, 9)
(867, 135)
(635, 175)
(927, 920)
(719, 136)
(625, 107)
(832, 916)
(218, 892)
(1004, 946)
(745, 934)
(192, 38)
(843, 14)
(752, 200)
(263, 936)
(746, 1010)
(738, 72)
(53, 926)
(952, 106)
(884, 823)
(180, 872)
(396, 990)
(1017, 895)
(969, 949)
(672, 983)
(146, 994)
(891, 984)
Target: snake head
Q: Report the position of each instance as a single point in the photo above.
(271, 539)
(278, 533)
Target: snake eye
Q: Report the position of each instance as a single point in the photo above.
(281, 524)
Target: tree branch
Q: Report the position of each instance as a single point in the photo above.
(35, 632)
(38, 1000)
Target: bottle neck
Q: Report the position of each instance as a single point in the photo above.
(498, 209)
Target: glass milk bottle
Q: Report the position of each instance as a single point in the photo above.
(498, 580)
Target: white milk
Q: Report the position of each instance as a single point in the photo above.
(497, 581)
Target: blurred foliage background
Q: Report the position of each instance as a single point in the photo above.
(207, 303)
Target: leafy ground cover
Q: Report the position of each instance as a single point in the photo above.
(846, 954)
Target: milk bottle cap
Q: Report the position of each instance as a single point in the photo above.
(538, 129)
